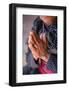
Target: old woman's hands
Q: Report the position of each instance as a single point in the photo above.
(38, 46)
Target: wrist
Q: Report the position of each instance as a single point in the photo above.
(45, 58)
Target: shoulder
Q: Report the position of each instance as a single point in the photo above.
(37, 24)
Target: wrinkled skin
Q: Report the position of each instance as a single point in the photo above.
(38, 46)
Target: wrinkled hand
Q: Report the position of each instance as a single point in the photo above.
(38, 46)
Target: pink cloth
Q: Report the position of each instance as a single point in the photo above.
(43, 69)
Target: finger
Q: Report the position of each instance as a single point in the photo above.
(32, 48)
(31, 37)
(35, 37)
(31, 41)
(44, 37)
(35, 57)
(41, 36)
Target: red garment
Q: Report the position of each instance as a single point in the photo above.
(43, 69)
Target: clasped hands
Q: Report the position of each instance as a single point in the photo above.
(38, 46)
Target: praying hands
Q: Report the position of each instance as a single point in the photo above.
(38, 46)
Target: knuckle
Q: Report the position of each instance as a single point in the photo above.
(30, 45)
(31, 33)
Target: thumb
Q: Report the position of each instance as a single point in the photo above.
(41, 36)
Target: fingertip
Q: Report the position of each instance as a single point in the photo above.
(30, 45)
(31, 33)
(41, 36)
